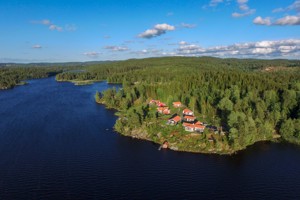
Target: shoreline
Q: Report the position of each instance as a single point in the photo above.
(79, 82)
(142, 134)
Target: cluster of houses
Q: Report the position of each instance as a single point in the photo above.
(188, 120)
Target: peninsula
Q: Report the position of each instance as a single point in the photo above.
(206, 105)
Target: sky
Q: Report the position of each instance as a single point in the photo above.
(96, 30)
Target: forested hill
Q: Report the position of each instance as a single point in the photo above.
(15, 75)
(12, 74)
(251, 100)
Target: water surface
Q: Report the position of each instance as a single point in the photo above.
(57, 143)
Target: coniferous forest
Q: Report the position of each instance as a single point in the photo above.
(12, 76)
(246, 100)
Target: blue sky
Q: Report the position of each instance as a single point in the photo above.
(87, 30)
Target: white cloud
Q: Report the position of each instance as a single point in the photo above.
(278, 10)
(116, 48)
(150, 51)
(183, 43)
(44, 22)
(214, 3)
(170, 14)
(164, 27)
(284, 21)
(288, 20)
(53, 27)
(243, 14)
(158, 30)
(294, 6)
(266, 49)
(244, 8)
(242, 1)
(92, 54)
(262, 21)
(36, 46)
(184, 25)
(70, 27)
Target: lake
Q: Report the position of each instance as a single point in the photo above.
(57, 143)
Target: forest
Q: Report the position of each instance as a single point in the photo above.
(17, 74)
(249, 100)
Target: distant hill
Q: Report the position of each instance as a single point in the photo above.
(47, 64)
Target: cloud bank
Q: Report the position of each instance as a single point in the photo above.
(287, 20)
(264, 49)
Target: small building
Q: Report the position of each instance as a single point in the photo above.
(167, 112)
(193, 127)
(189, 118)
(199, 128)
(161, 104)
(152, 101)
(175, 120)
(177, 104)
(190, 128)
(164, 110)
(187, 112)
(199, 123)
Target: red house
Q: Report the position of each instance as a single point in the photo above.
(154, 101)
(193, 127)
(164, 110)
(189, 118)
(199, 123)
(188, 112)
(160, 104)
(199, 128)
(177, 104)
(175, 120)
(189, 127)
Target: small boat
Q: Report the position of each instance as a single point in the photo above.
(164, 145)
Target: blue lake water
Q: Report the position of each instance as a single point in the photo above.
(57, 143)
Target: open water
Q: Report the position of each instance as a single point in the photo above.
(57, 143)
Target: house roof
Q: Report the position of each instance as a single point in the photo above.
(176, 119)
(177, 103)
(186, 110)
(199, 126)
(193, 125)
(162, 108)
(154, 101)
(190, 117)
(198, 123)
(161, 104)
(166, 111)
(186, 124)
